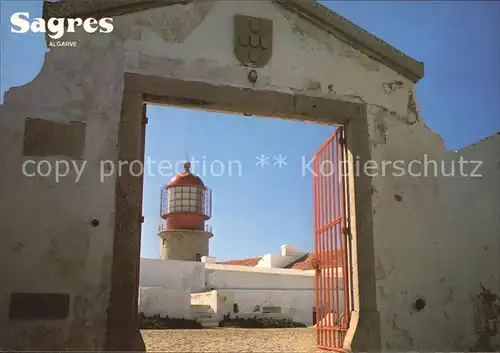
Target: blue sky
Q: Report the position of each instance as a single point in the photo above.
(255, 213)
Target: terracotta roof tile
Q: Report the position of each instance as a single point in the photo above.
(305, 263)
(251, 262)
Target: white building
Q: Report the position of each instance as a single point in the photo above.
(187, 283)
(277, 285)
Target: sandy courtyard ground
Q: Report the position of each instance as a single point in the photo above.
(231, 340)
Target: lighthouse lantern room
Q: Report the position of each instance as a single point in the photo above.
(186, 204)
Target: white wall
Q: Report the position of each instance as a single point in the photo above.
(249, 287)
(221, 302)
(172, 274)
(242, 277)
(200, 276)
(164, 302)
(296, 304)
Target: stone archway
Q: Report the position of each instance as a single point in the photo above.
(140, 89)
(92, 99)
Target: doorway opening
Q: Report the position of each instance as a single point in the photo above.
(141, 90)
(246, 162)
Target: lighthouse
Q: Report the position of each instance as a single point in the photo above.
(186, 205)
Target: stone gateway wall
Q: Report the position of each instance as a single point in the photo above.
(434, 238)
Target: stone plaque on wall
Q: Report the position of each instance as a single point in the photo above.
(253, 40)
(39, 306)
(43, 138)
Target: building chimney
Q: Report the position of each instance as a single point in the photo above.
(208, 259)
(289, 250)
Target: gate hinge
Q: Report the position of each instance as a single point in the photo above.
(315, 264)
(142, 219)
(346, 231)
(145, 120)
(342, 140)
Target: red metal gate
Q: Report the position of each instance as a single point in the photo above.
(330, 244)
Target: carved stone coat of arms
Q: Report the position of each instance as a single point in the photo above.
(253, 40)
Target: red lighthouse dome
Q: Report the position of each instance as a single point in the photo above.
(186, 201)
(186, 179)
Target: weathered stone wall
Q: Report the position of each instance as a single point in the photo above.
(435, 236)
(57, 235)
(173, 50)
